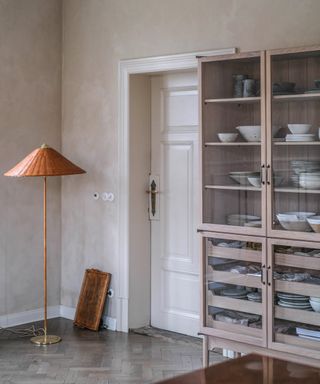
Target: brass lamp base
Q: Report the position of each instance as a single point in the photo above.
(45, 340)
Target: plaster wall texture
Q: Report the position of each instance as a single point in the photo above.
(99, 33)
(30, 114)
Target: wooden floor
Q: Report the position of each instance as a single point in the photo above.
(86, 357)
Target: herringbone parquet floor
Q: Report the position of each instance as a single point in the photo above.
(85, 357)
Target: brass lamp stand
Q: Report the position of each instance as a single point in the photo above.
(44, 161)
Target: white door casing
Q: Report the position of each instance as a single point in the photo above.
(178, 62)
(174, 241)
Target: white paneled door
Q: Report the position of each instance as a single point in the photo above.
(175, 298)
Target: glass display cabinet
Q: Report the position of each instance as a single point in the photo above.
(235, 287)
(293, 110)
(233, 142)
(260, 188)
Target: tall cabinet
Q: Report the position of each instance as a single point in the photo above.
(260, 188)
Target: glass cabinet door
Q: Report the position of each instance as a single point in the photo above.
(233, 136)
(294, 101)
(294, 297)
(234, 288)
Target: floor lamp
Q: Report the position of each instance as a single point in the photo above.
(44, 162)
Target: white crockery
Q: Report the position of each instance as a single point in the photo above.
(255, 181)
(314, 222)
(250, 132)
(299, 128)
(315, 305)
(227, 137)
(299, 215)
(242, 177)
(299, 226)
(309, 180)
(316, 299)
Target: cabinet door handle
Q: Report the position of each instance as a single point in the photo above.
(268, 174)
(263, 280)
(262, 175)
(268, 276)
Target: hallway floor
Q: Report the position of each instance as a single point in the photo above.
(86, 357)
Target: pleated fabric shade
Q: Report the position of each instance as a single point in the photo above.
(44, 161)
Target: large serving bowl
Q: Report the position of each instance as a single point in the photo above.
(309, 180)
(317, 299)
(297, 129)
(250, 132)
(256, 180)
(295, 221)
(314, 222)
(242, 176)
(227, 137)
(315, 305)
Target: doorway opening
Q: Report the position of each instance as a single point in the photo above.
(164, 247)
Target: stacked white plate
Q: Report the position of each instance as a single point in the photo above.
(309, 180)
(301, 137)
(255, 296)
(235, 293)
(299, 166)
(241, 220)
(291, 300)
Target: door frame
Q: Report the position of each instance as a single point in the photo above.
(126, 68)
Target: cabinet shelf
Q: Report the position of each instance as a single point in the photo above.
(235, 254)
(234, 304)
(297, 97)
(234, 100)
(233, 144)
(298, 315)
(296, 190)
(296, 143)
(233, 187)
(290, 260)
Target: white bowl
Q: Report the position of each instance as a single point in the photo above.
(299, 226)
(250, 132)
(227, 137)
(299, 215)
(297, 129)
(295, 221)
(314, 222)
(255, 181)
(242, 177)
(309, 182)
(315, 305)
(316, 299)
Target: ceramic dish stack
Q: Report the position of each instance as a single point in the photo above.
(235, 293)
(291, 300)
(255, 296)
(295, 221)
(309, 180)
(302, 166)
(300, 132)
(241, 220)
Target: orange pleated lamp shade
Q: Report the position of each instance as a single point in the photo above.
(44, 161)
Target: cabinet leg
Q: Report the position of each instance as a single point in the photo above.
(205, 352)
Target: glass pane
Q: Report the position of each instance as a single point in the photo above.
(231, 126)
(233, 283)
(296, 273)
(295, 149)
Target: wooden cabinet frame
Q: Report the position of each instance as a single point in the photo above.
(230, 337)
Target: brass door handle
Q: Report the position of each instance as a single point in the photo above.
(153, 192)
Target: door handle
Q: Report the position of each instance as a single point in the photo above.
(269, 279)
(262, 175)
(263, 279)
(153, 191)
(268, 174)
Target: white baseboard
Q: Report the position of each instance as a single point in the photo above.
(25, 317)
(31, 316)
(67, 312)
